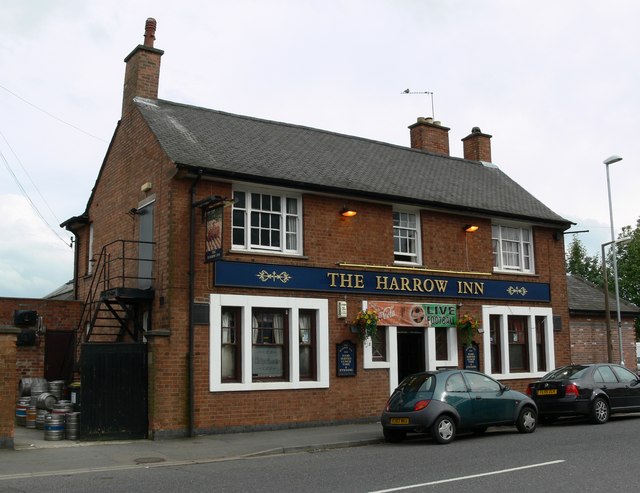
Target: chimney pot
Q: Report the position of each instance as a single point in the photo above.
(150, 32)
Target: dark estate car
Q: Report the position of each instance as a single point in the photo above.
(595, 390)
(441, 402)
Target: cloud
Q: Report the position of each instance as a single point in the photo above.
(33, 261)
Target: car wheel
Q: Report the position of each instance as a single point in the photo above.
(444, 429)
(393, 436)
(527, 420)
(599, 411)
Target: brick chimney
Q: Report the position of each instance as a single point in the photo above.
(477, 146)
(429, 136)
(142, 73)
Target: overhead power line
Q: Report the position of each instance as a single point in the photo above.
(29, 176)
(51, 115)
(31, 203)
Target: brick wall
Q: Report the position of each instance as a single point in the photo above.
(57, 315)
(589, 340)
(8, 385)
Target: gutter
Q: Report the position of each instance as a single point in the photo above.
(192, 233)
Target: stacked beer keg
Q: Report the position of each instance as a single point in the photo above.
(41, 406)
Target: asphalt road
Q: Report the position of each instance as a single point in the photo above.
(570, 456)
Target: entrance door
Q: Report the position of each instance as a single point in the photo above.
(145, 252)
(410, 352)
(58, 346)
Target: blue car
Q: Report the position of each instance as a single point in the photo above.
(446, 401)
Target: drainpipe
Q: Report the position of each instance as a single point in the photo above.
(192, 234)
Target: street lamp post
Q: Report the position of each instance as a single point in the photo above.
(607, 162)
(605, 279)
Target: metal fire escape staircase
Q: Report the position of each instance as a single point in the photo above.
(119, 298)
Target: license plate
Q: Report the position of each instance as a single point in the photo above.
(547, 392)
(399, 421)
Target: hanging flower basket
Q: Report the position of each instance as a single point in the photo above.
(365, 324)
(467, 328)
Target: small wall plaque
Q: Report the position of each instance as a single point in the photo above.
(471, 358)
(346, 359)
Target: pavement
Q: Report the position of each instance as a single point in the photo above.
(34, 456)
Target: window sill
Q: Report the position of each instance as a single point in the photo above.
(252, 386)
(518, 376)
(399, 263)
(267, 254)
(514, 272)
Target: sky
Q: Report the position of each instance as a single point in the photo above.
(554, 82)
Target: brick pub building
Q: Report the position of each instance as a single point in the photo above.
(221, 272)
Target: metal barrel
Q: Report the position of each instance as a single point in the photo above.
(31, 417)
(54, 427)
(56, 387)
(41, 414)
(38, 386)
(25, 386)
(72, 425)
(21, 410)
(27, 383)
(62, 407)
(46, 401)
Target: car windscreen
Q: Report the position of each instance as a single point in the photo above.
(567, 373)
(421, 382)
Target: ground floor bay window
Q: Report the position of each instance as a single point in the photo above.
(265, 342)
(517, 341)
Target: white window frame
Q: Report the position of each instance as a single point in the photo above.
(283, 195)
(247, 304)
(418, 242)
(531, 312)
(520, 268)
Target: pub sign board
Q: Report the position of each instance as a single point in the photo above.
(296, 278)
(213, 238)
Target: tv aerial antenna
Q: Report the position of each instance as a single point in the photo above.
(429, 93)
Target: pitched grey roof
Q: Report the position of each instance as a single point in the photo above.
(64, 292)
(587, 297)
(240, 147)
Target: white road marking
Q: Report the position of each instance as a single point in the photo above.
(471, 476)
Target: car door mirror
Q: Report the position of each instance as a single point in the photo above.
(505, 388)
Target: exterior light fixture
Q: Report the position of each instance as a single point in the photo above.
(471, 228)
(347, 212)
(607, 162)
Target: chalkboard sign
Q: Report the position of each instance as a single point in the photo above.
(471, 358)
(346, 359)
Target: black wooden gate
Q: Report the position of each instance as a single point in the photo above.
(113, 400)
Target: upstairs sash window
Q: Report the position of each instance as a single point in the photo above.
(269, 222)
(406, 237)
(512, 248)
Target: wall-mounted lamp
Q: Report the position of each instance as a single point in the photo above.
(347, 212)
(471, 228)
